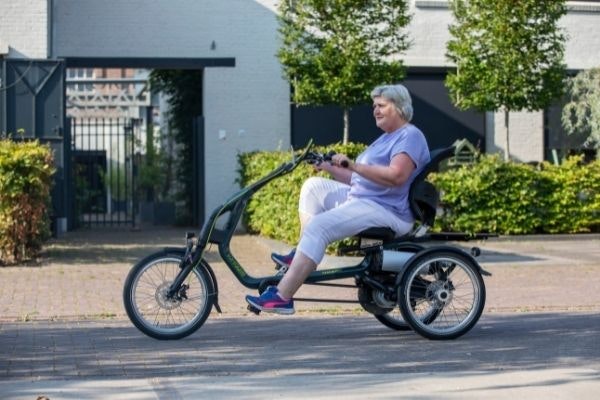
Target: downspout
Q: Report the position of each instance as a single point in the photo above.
(49, 28)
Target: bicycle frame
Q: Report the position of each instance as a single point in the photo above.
(235, 206)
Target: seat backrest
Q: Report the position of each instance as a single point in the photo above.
(423, 197)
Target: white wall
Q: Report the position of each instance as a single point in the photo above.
(428, 32)
(249, 102)
(24, 28)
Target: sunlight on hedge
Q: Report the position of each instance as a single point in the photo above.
(26, 170)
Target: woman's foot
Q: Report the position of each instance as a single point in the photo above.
(271, 301)
(283, 260)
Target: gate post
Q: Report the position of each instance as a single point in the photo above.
(198, 170)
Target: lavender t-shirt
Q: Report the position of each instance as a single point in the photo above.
(408, 139)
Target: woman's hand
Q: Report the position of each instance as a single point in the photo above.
(335, 169)
(342, 160)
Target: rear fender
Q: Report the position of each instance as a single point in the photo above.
(445, 249)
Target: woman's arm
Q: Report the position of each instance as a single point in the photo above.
(340, 174)
(394, 174)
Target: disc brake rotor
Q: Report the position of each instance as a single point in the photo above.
(162, 300)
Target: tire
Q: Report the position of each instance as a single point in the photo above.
(393, 319)
(149, 310)
(385, 310)
(442, 295)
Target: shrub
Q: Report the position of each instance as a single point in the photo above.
(513, 198)
(574, 202)
(26, 170)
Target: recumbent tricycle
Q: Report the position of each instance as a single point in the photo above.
(435, 289)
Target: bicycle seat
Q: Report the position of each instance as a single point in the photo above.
(423, 198)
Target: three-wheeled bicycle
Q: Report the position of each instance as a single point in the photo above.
(409, 282)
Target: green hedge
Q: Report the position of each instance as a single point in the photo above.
(26, 170)
(514, 198)
(273, 211)
(488, 196)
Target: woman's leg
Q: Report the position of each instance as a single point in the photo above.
(319, 195)
(316, 196)
(344, 221)
(295, 276)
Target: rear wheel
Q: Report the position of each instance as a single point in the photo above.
(393, 319)
(442, 295)
(153, 312)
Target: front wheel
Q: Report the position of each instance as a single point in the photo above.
(442, 295)
(152, 311)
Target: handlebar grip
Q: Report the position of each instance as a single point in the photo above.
(327, 157)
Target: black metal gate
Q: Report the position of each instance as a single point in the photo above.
(104, 170)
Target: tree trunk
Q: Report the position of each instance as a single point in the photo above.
(506, 138)
(346, 126)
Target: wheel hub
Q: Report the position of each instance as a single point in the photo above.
(161, 297)
(440, 292)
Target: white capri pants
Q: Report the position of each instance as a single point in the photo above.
(334, 217)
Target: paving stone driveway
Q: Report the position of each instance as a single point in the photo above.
(81, 274)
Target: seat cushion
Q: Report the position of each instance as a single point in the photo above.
(379, 233)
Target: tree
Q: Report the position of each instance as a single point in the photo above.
(337, 51)
(508, 55)
(581, 114)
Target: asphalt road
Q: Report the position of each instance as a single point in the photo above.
(534, 355)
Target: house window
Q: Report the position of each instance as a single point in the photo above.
(80, 74)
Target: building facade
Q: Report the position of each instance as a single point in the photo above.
(246, 100)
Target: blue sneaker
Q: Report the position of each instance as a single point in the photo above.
(270, 301)
(283, 260)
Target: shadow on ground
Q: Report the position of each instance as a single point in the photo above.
(296, 346)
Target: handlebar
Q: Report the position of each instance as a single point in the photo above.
(318, 158)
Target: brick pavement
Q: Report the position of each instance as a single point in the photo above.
(81, 275)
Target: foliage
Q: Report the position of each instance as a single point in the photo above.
(581, 114)
(490, 195)
(512, 198)
(153, 179)
(26, 170)
(273, 211)
(508, 55)
(336, 52)
(185, 102)
(574, 198)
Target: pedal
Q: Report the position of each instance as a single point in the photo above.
(253, 309)
(279, 266)
(281, 270)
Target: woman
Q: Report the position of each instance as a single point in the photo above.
(370, 192)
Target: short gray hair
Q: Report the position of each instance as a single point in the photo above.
(397, 94)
